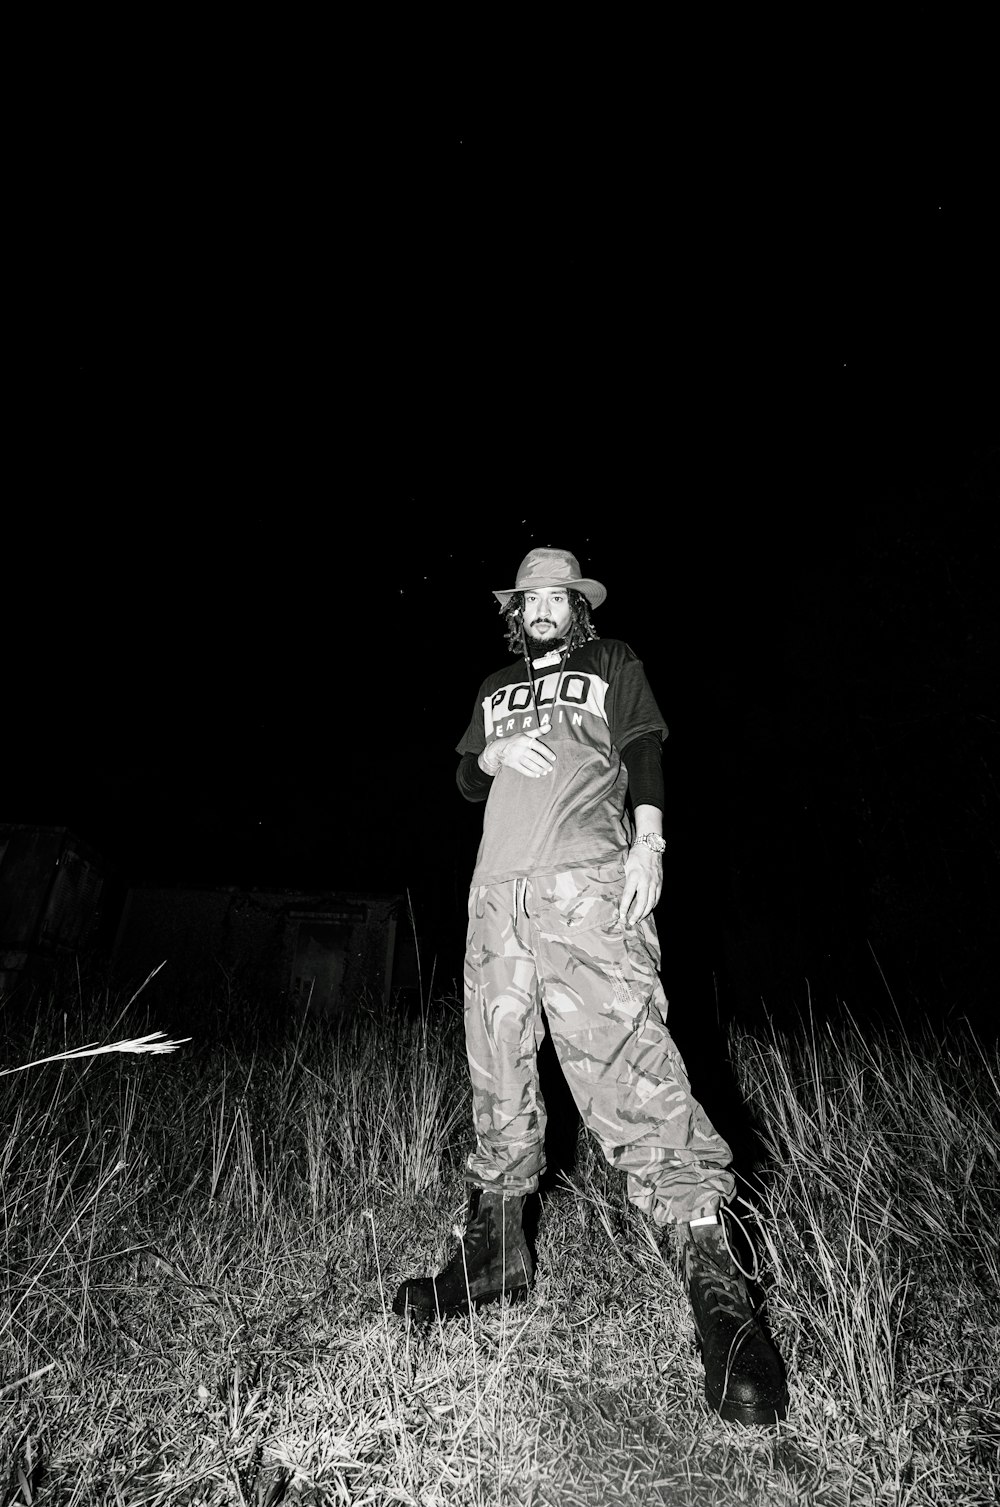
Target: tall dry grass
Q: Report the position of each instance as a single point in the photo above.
(198, 1253)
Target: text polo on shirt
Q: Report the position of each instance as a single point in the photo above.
(511, 708)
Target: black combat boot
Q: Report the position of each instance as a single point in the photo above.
(493, 1261)
(744, 1376)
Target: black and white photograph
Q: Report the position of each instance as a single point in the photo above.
(500, 800)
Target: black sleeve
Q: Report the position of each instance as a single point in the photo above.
(472, 782)
(631, 706)
(474, 738)
(643, 760)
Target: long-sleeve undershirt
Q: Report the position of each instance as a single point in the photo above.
(643, 758)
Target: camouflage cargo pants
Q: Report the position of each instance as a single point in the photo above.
(555, 942)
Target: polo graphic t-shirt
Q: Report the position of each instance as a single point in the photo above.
(575, 815)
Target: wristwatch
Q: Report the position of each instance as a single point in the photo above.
(650, 840)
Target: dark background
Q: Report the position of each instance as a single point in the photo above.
(301, 389)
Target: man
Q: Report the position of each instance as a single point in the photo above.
(560, 918)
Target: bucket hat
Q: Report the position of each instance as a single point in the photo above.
(552, 567)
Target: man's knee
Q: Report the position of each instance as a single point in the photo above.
(506, 1020)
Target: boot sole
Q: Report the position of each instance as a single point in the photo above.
(459, 1310)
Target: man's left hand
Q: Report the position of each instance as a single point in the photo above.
(643, 883)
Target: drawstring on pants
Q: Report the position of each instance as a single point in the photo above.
(521, 907)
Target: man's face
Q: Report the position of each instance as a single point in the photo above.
(547, 615)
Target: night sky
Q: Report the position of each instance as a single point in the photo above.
(289, 416)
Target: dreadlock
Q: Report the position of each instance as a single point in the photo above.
(580, 631)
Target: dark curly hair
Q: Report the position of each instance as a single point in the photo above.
(581, 630)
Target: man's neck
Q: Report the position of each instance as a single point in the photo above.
(539, 648)
(543, 655)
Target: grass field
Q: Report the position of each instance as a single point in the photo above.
(200, 1247)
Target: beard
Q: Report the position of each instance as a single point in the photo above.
(544, 645)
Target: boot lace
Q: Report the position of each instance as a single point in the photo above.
(724, 1292)
(472, 1236)
(721, 1276)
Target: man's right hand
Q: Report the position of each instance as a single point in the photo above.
(525, 754)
